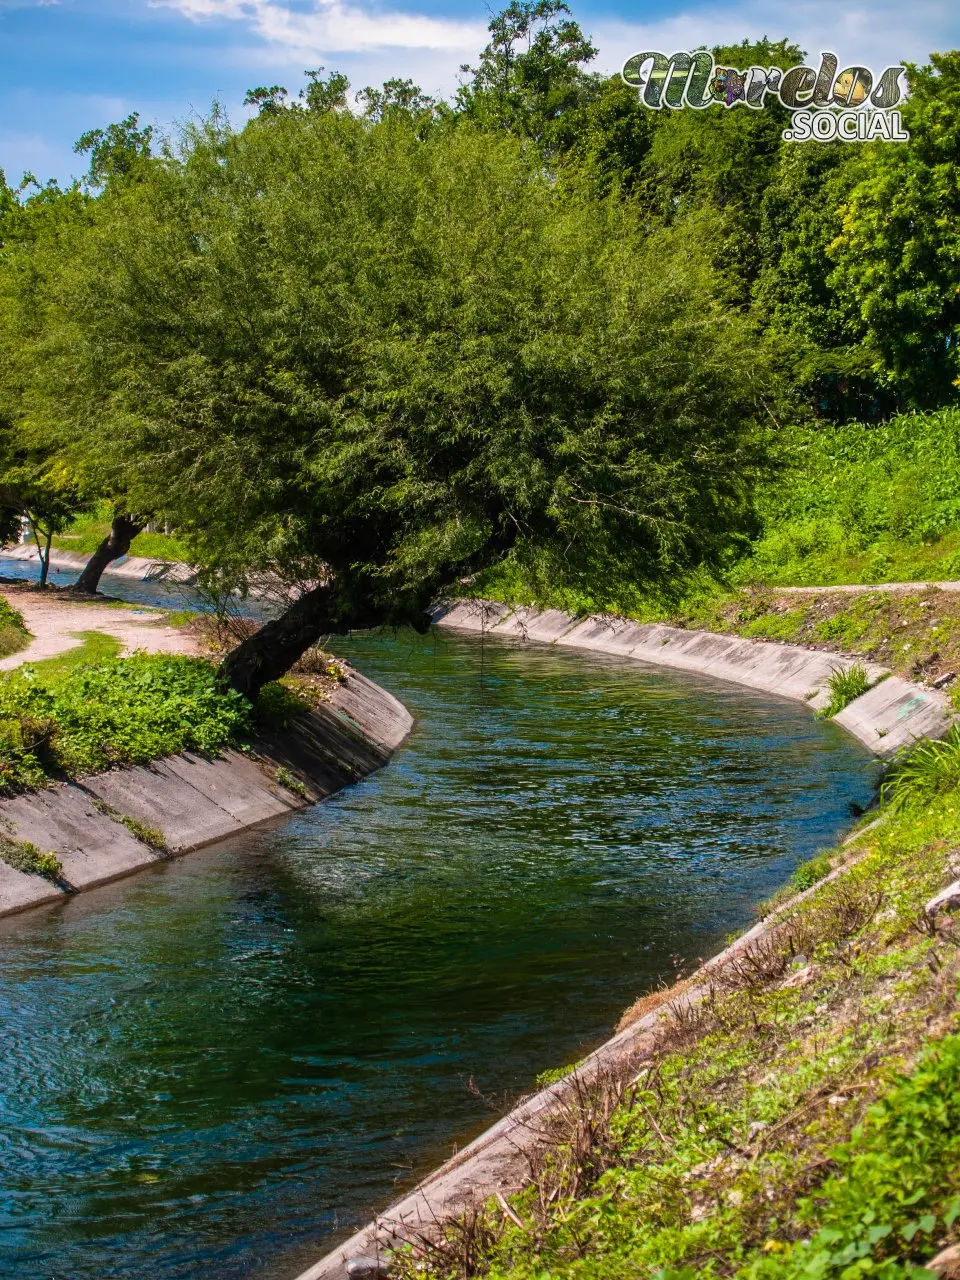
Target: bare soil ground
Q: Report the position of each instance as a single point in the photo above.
(55, 617)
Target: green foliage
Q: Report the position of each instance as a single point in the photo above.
(119, 711)
(405, 426)
(896, 252)
(896, 1187)
(26, 857)
(14, 635)
(923, 772)
(862, 503)
(117, 152)
(529, 75)
(843, 686)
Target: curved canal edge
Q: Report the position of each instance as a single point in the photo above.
(890, 715)
(96, 825)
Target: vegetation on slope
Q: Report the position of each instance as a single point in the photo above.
(14, 635)
(80, 719)
(86, 532)
(802, 1120)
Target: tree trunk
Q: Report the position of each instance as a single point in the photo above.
(272, 651)
(116, 544)
(44, 559)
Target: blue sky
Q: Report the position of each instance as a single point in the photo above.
(71, 65)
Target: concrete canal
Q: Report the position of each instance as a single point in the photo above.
(216, 1066)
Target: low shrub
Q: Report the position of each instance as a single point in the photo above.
(13, 629)
(120, 711)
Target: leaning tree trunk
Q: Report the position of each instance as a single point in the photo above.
(116, 544)
(270, 652)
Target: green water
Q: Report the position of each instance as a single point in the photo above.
(214, 1067)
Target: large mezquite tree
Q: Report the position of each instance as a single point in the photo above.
(374, 360)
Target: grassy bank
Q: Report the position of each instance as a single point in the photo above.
(86, 533)
(803, 1120)
(914, 633)
(14, 635)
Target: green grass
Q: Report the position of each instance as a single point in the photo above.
(96, 646)
(151, 836)
(87, 532)
(844, 686)
(922, 773)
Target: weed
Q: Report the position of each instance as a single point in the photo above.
(286, 779)
(844, 686)
(142, 831)
(24, 856)
(809, 873)
(546, 1078)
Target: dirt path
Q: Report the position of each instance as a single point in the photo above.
(55, 621)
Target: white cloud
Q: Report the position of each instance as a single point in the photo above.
(333, 26)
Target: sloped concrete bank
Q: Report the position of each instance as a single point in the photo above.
(890, 715)
(140, 568)
(194, 800)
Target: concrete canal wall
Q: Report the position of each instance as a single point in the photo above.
(890, 715)
(194, 800)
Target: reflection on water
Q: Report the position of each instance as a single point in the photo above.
(212, 1066)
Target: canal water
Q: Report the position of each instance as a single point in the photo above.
(213, 1067)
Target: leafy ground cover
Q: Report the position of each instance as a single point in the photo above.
(14, 635)
(802, 1120)
(79, 718)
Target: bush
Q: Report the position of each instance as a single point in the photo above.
(13, 630)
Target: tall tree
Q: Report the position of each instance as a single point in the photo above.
(531, 72)
(897, 253)
(346, 352)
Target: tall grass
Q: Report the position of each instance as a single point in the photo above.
(844, 685)
(923, 772)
